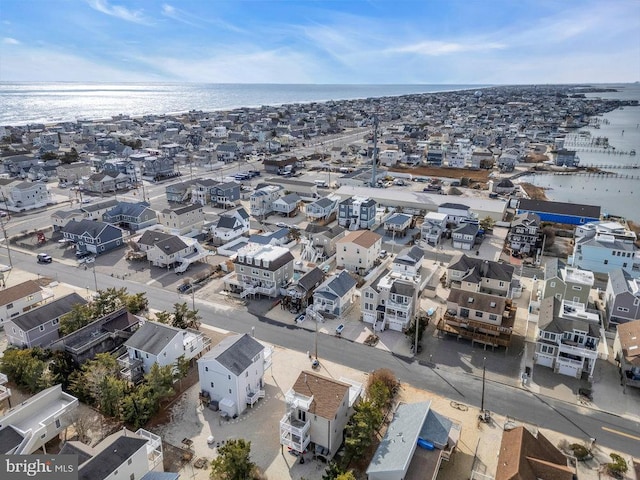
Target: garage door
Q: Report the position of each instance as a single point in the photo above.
(568, 369)
(544, 361)
(397, 326)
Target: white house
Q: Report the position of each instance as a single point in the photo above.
(433, 227)
(232, 372)
(230, 226)
(568, 338)
(185, 220)
(456, 212)
(357, 251)
(18, 299)
(335, 295)
(261, 200)
(30, 425)
(318, 409)
(157, 343)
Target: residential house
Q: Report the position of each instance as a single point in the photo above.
(208, 191)
(73, 172)
(158, 168)
(95, 211)
(105, 182)
(39, 327)
(568, 283)
(179, 192)
(41, 172)
(156, 343)
(261, 269)
(525, 456)
(60, 218)
(606, 247)
(358, 251)
(626, 349)
(232, 372)
(100, 336)
(398, 224)
(416, 442)
(390, 301)
(508, 160)
(318, 409)
(185, 220)
(287, 205)
(503, 187)
(465, 236)
(335, 295)
(230, 226)
(322, 210)
(278, 165)
(479, 317)
(131, 216)
(622, 298)
(433, 228)
(566, 158)
(319, 242)
(18, 299)
(301, 292)
(19, 196)
(357, 213)
(27, 427)
(93, 236)
(456, 212)
(262, 199)
(278, 237)
(478, 275)
(171, 250)
(560, 212)
(568, 337)
(525, 233)
(124, 455)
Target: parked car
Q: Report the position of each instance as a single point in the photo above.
(281, 225)
(383, 253)
(339, 329)
(300, 318)
(83, 253)
(44, 258)
(184, 288)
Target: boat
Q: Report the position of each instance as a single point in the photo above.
(632, 152)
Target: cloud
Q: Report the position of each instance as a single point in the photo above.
(10, 41)
(190, 19)
(120, 12)
(172, 12)
(436, 48)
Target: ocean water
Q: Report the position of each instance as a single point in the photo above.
(616, 196)
(23, 103)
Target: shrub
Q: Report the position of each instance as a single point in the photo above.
(579, 451)
(618, 466)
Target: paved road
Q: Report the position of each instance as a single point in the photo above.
(620, 434)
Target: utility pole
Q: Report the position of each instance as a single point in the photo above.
(316, 337)
(415, 347)
(6, 241)
(484, 370)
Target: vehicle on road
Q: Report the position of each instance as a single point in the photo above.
(184, 288)
(281, 225)
(44, 258)
(300, 318)
(83, 254)
(339, 329)
(315, 364)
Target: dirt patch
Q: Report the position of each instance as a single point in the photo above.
(446, 172)
(635, 227)
(174, 458)
(533, 192)
(535, 158)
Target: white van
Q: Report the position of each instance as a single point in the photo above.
(320, 183)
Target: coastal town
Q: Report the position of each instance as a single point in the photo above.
(372, 286)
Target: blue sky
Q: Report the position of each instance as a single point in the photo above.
(357, 41)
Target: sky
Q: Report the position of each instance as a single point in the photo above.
(322, 42)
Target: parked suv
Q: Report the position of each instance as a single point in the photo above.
(44, 258)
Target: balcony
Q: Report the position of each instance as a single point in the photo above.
(253, 397)
(573, 348)
(5, 392)
(154, 448)
(195, 343)
(131, 368)
(497, 336)
(294, 433)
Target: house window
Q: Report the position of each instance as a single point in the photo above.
(42, 328)
(212, 386)
(206, 369)
(478, 314)
(246, 374)
(229, 391)
(132, 476)
(606, 262)
(493, 317)
(55, 321)
(547, 349)
(576, 288)
(552, 284)
(622, 309)
(57, 423)
(10, 305)
(229, 376)
(129, 462)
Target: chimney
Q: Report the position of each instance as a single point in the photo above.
(484, 268)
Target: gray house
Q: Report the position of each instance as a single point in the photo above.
(524, 235)
(39, 327)
(92, 236)
(623, 297)
(131, 216)
(335, 295)
(566, 283)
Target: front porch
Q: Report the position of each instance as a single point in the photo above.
(480, 332)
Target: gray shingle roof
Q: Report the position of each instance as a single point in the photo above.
(151, 237)
(549, 319)
(99, 206)
(9, 439)
(36, 317)
(235, 353)
(311, 278)
(619, 281)
(482, 268)
(341, 283)
(152, 337)
(398, 219)
(92, 228)
(410, 256)
(105, 462)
